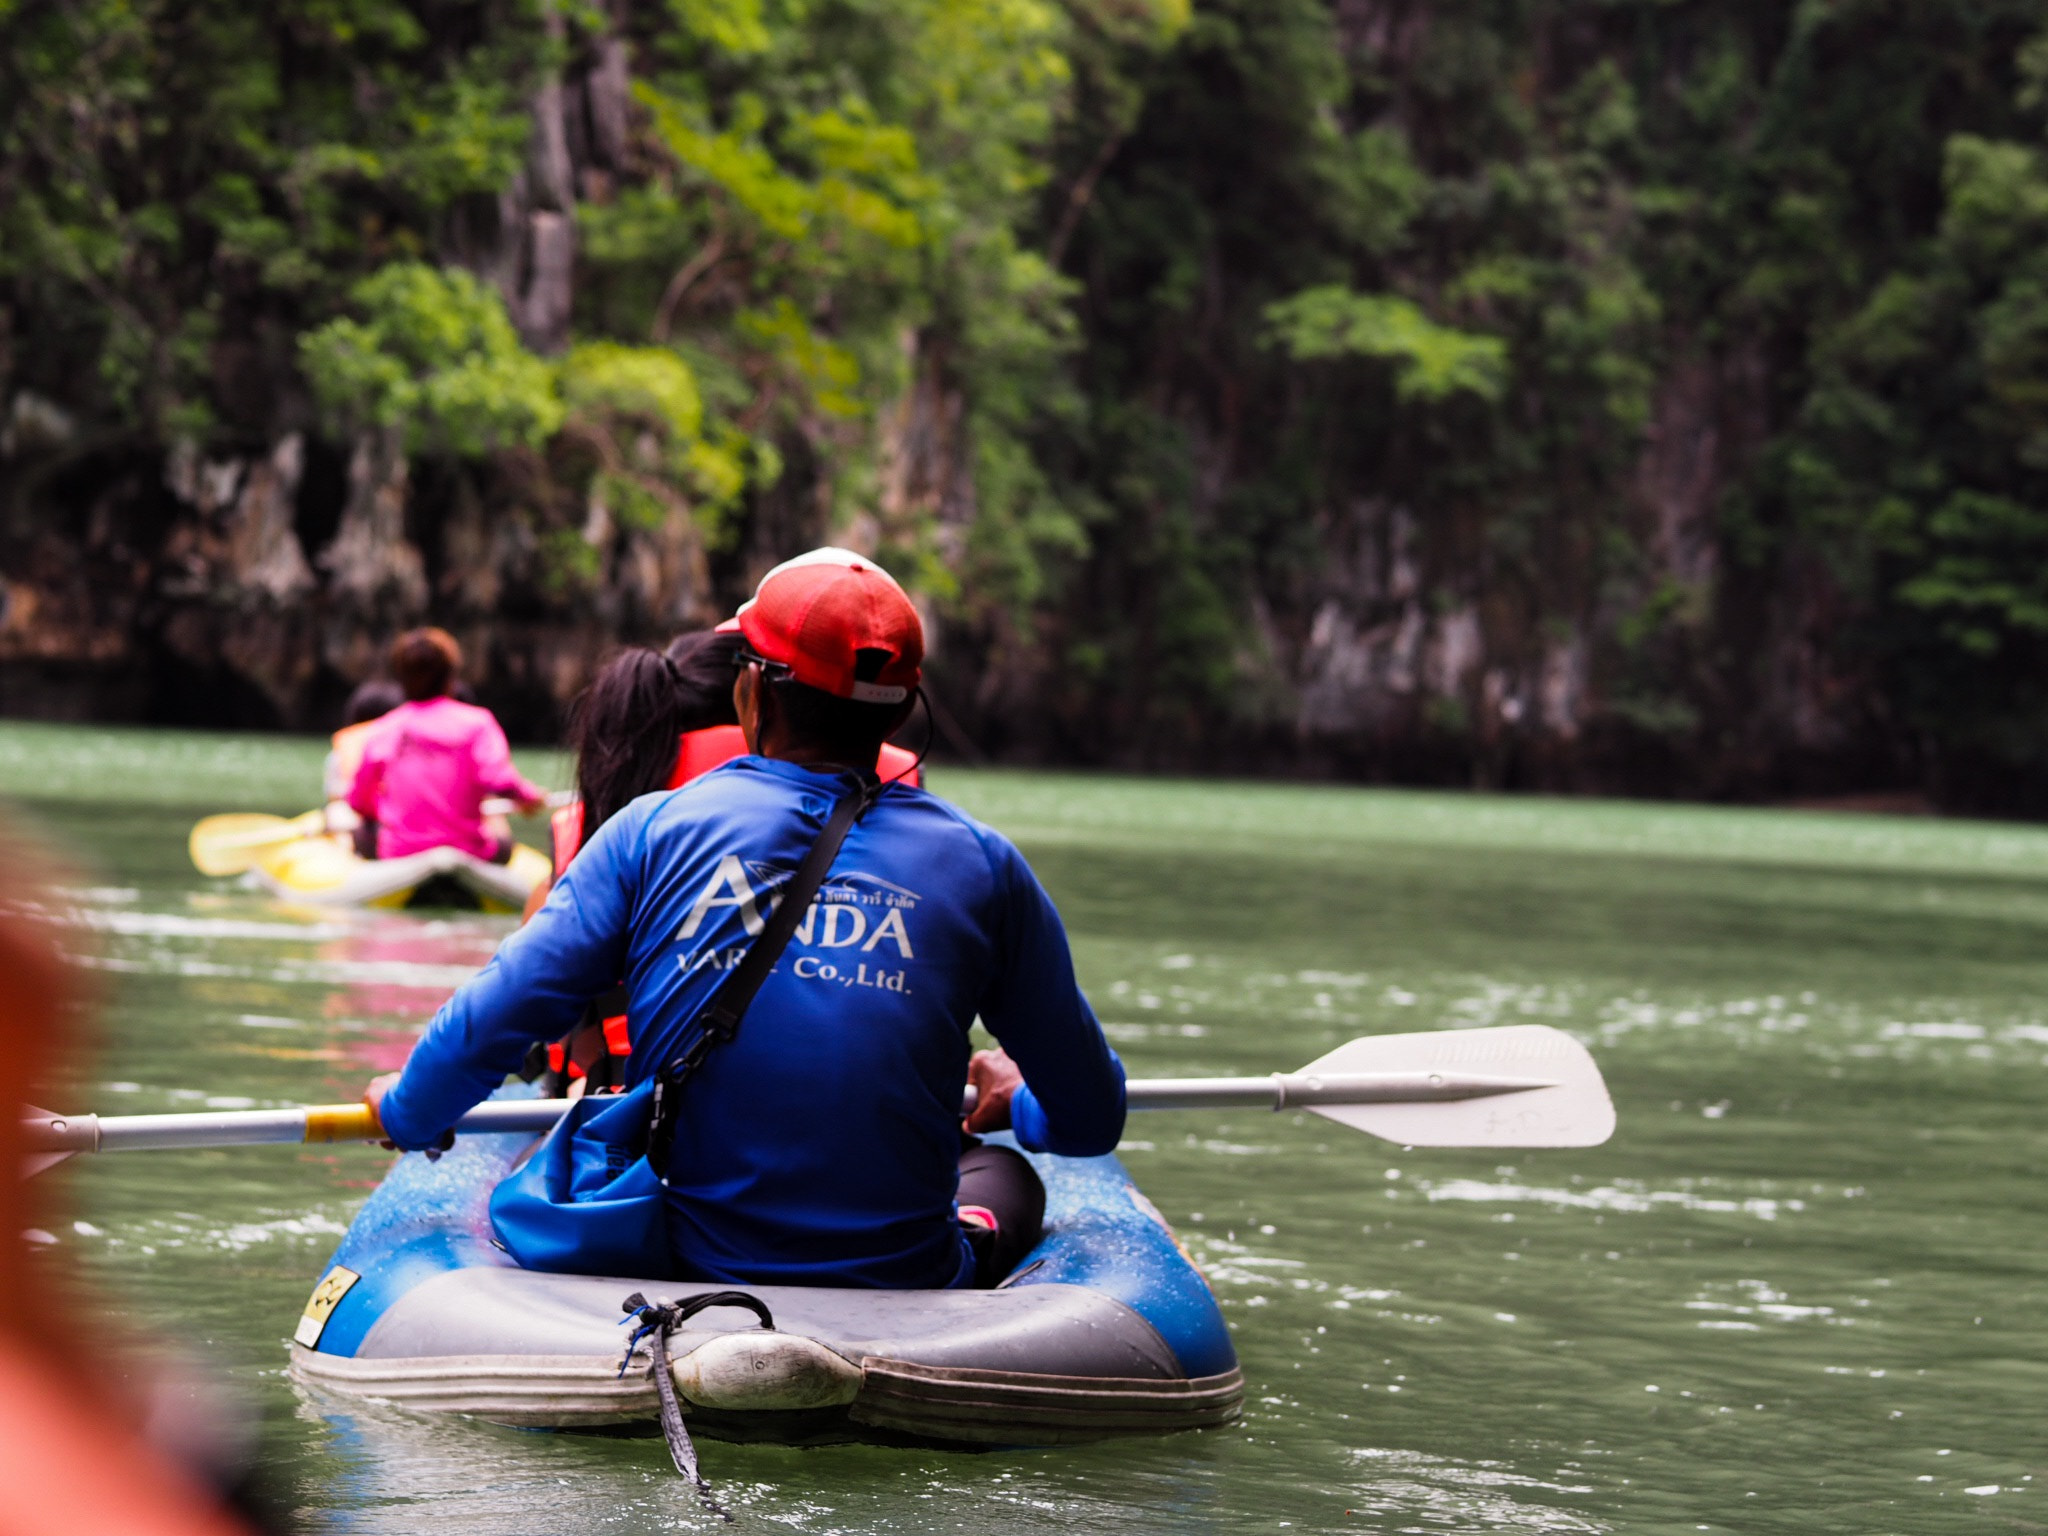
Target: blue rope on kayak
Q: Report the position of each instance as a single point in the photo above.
(673, 1314)
(657, 1321)
(639, 1333)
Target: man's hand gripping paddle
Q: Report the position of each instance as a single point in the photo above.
(1522, 1085)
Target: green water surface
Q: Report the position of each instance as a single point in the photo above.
(1800, 1290)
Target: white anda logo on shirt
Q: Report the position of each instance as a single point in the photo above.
(853, 910)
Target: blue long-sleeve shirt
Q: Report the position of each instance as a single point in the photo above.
(821, 1144)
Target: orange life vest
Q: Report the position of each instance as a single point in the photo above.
(346, 747)
(698, 752)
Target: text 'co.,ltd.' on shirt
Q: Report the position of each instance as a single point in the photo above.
(427, 769)
(821, 1145)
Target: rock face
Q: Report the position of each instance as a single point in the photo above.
(1419, 651)
(235, 592)
(256, 590)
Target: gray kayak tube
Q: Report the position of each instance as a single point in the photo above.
(1105, 1329)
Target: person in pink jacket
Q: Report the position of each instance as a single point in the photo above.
(432, 762)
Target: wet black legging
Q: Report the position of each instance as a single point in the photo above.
(1005, 1182)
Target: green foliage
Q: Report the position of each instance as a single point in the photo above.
(435, 355)
(851, 186)
(648, 397)
(1430, 361)
(1919, 457)
(648, 385)
(735, 28)
(828, 372)
(195, 189)
(1558, 242)
(178, 180)
(1989, 577)
(1388, 190)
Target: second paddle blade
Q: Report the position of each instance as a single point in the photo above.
(1574, 1112)
(237, 840)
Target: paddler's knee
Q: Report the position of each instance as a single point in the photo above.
(1002, 1210)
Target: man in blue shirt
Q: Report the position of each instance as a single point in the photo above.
(820, 1145)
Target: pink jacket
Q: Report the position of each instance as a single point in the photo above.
(426, 772)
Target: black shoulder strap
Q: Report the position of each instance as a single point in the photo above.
(720, 1019)
(721, 1016)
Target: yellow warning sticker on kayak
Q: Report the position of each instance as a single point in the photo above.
(326, 1297)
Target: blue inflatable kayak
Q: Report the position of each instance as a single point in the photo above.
(1105, 1329)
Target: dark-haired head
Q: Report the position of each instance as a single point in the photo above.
(704, 661)
(809, 725)
(378, 697)
(425, 662)
(625, 726)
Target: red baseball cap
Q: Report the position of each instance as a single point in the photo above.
(816, 613)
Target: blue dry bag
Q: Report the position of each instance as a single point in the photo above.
(588, 1202)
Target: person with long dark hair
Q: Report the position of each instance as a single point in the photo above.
(626, 726)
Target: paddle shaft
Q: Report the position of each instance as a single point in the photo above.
(341, 818)
(308, 1124)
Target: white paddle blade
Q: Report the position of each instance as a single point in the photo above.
(1573, 1111)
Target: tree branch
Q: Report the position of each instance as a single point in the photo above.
(1078, 198)
(688, 273)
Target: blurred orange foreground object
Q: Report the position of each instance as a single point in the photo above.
(70, 1459)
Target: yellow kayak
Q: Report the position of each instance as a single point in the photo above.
(325, 871)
